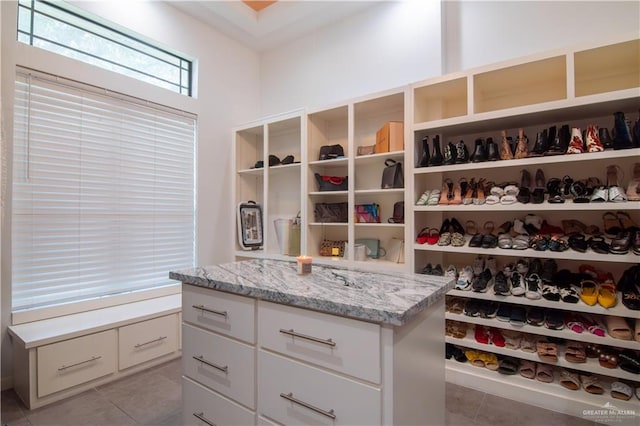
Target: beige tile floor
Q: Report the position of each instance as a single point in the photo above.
(153, 397)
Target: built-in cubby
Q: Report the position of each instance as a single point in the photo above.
(440, 100)
(607, 68)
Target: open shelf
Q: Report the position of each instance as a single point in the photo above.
(607, 69)
(519, 85)
(444, 99)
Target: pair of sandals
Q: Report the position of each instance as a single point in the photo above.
(503, 194)
(430, 197)
(554, 243)
(486, 239)
(574, 381)
(575, 352)
(534, 370)
(604, 293)
(482, 359)
(456, 329)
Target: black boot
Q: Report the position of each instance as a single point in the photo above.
(492, 150)
(636, 132)
(605, 138)
(561, 141)
(541, 145)
(449, 154)
(622, 134)
(424, 161)
(462, 154)
(436, 156)
(479, 153)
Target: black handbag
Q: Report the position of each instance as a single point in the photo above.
(329, 152)
(331, 212)
(398, 213)
(332, 183)
(392, 176)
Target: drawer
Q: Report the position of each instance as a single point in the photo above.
(222, 364)
(69, 363)
(147, 340)
(290, 393)
(354, 348)
(221, 312)
(203, 407)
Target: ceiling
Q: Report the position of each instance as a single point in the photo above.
(273, 26)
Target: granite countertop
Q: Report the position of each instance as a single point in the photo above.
(388, 298)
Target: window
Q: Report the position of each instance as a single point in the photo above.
(103, 196)
(51, 26)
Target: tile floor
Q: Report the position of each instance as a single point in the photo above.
(153, 397)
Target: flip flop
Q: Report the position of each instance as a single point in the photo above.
(528, 369)
(509, 366)
(528, 343)
(591, 384)
(575, 352)
(620, 390)
(544, 373)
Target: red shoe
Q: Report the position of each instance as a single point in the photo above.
(497, 338)
(481, 334)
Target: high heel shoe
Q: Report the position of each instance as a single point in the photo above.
(457, 193)
(576, 144)
(592, 140)
(537, 195)
(424, 161)
(615, 192)
(633, 189)
(479, 193)
(524, 195)
(467, 197)
(447, 192)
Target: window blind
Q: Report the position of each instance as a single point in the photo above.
(103, 196)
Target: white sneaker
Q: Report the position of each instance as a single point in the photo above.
(534, 287)
(451, 272)
(465, 279)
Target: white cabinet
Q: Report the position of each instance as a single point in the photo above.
(308, 367)
(72, 362)
(204, 408)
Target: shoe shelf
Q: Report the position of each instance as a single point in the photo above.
(543, 331)
(550, 396)
(591, 365)
(329, 194)
(588, 256)
(374, 159)
(530, 207)
(619, 310)
(329, 164)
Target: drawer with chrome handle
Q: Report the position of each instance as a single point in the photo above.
(284, 394)
(224, 313)
(147, 340)
(204, 407)
(342, 344)
(222, 364)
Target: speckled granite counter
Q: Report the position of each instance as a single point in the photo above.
(388, 298)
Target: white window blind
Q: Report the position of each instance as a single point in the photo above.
(103, 196)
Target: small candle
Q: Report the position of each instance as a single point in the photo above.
(304, 264)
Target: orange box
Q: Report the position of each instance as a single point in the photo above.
(390, 137)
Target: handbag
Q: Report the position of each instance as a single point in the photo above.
(398, 213)
(330, 152)
(392, 176)
(332, 183)
(367, 213)
(331, 212)
(374, 250)
(332, 248)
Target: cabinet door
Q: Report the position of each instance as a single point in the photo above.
(293, 393)
(222, 364)
(223, 313)
(203, 407)
(345, 345)
(147, 340)
(72, 362)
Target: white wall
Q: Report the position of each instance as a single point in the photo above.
(227, 94)
(383, 47)
(483, 32)
(397, 43)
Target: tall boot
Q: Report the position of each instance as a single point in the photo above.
(436, 156)
(424, 160)
(622, 134)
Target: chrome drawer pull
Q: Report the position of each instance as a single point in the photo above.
(210, 364)
(211, 311)
(159, 339)
(292, 333)
(201, 416)
(289, 396)
(93, 358)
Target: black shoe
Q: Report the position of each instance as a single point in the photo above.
(621, 132)
(462, 154)
(541, 145)
(501, 286)
(436, 157)
(479, 153)
(605, 138)
(424, 160)
(449, 154)
(492, 150)
(561, 141)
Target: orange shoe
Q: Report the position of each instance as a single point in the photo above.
(607, 295)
